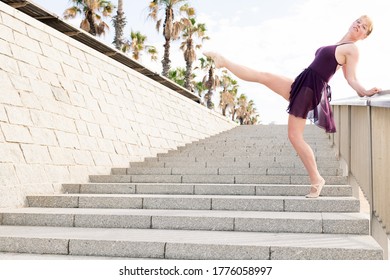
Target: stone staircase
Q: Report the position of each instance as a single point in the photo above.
(237, 195)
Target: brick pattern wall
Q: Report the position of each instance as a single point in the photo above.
(67, 111)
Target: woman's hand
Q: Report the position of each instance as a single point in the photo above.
(373, 91)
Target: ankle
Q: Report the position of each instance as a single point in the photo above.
(316, 181)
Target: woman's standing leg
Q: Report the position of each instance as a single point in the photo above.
(296, 127)
(277, 83)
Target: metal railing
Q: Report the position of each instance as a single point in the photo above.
(362, 141)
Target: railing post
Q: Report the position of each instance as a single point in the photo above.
(349, 159)
(370, 169)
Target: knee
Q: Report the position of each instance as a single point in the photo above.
(295, 137)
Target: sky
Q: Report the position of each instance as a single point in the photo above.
(278, 36)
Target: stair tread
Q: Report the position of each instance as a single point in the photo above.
(192, 196)
(210, 184)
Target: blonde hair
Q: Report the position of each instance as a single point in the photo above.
(370, 26)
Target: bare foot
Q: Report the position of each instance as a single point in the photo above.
(216, 57)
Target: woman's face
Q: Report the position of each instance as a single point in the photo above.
(360, 28)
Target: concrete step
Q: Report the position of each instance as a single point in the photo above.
(204, 189)
(47, 257)
(193, 170)
(221, 179)
(246, 157)
(197, 202)
(253, 142)
(303, 222)
(245, 163)
(237, 152)
(183, 244)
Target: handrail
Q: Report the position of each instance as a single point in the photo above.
(50, 19)
(361, 140)
(382, 99)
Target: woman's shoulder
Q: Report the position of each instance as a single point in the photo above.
(348, 48)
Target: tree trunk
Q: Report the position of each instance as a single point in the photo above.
(167, 32)
(187, 83)
(119, 24)
(92, 27)
(224, 111)
(189, 61)
(166, 62)
(209, 96)
(210, 85)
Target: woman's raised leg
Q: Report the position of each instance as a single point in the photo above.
(277, 83)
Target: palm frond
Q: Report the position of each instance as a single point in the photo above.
(84, 25)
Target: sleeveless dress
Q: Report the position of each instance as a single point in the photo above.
(310, 93)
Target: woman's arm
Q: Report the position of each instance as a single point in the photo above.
(349, 69)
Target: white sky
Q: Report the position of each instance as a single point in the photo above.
(279, 36)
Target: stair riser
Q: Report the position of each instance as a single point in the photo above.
(161, 250)
(174, 164)
(223, 164)
(34, 245)
(188, 189)
(266, 153)
(223, 171)
(220, 179)
(254, 141)
(198, 203)
(189, 223)
(245, 158)
(288, 253)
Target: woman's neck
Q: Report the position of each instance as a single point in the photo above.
(347, 39)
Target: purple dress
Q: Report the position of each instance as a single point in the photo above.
(310, 93)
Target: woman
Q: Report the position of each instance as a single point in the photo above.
(309, 93)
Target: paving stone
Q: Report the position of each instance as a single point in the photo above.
(108, 188)
(114, 201)
(247, 204)
(165, 188)
(178, 202)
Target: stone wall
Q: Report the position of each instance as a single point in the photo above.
(68, 111)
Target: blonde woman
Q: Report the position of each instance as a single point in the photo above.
(309, 93)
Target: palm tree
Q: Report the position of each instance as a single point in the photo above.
(211, 80)
(171, 28)
(119, 24)
(152, 51)
(252, 116)
(200, 88)
(177, 75)
(92, 22)
(241, 108)
(246, 111)
(187, 46)
(255, 119)
(137, 45)
(228, 93)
